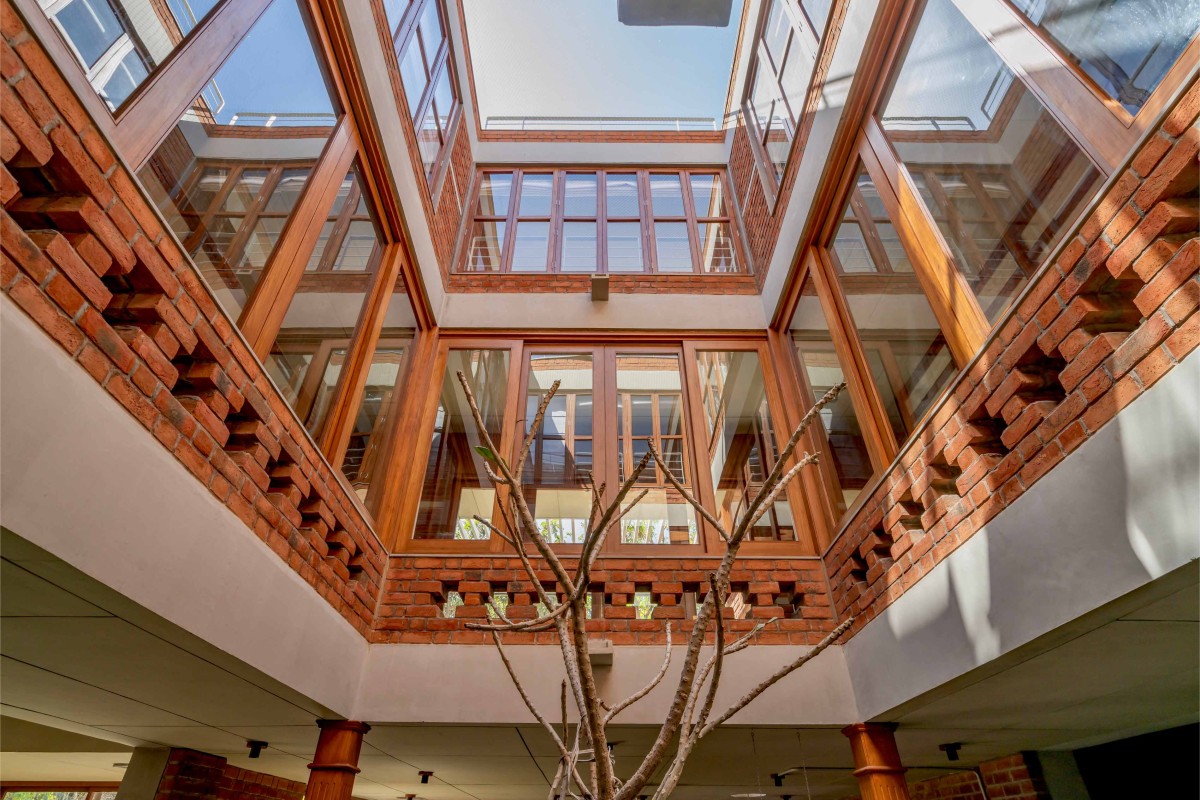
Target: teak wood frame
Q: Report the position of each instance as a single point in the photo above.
(645, 218)
(1103, 129)
(398, 497)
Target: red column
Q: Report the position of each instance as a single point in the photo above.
(331, 774)
(877, 761)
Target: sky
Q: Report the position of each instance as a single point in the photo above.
(274, 68)
(574, 58)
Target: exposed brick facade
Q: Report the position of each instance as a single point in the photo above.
(87, 258)
(1112, 315)
(1015, 777)
(447, 218)
(243, 783)
(192, 775)
(788, 592)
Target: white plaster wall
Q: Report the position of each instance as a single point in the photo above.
(576, 310)
(452, 684)
(1121, 511)
(83, 480)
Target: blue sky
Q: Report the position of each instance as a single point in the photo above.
(573, 58)
(274, 69)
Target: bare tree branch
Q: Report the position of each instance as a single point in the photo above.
(531, 434)
(648, 688)
(688, 496)
(778, 675)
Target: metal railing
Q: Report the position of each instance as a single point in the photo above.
(290, 119)
(526, 123)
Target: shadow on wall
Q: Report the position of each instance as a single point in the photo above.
(1122, 510)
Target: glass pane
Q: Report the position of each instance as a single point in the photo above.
(271, 83)
(625, 247)
(429, 141)
(621, 191)
(1126, 46)
(324, 390)
(119, 43)
(559, 468)
(649, 403)
(127, 76)
(430, 27)
(1001, 208)
(413, 76)
(779, 140)
(359, 247)
(666, 196)
(495, 189)
(776, 31)
(742, 447)
(579, 247)
(580, 196)
(443, 99)
(707, 196)
(671, 247)
(717, 252)
(895, 321)
(843, 449)
(394, 12)
(797, 73)
(537, 193)
(456, 486)
(531, 247)
(486, 247)
(287, 191)
(372, 419)
(817, 12)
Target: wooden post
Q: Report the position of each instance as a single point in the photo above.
(331, 774)
(876, 761)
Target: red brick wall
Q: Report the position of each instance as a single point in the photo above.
(447, 218)
(190, 774)
(237, 783)
(87, 259)
(789, 592)
(1015, 777)
(1113, 314)
(956, 786)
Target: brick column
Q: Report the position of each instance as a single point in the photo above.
(877, 762)
(331, 774)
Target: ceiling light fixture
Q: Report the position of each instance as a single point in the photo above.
(256, 747)
(951, 750)
(749, 794)
(425, 775)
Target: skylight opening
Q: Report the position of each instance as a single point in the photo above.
(621, 65)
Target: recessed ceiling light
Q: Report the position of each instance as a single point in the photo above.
(749, 794)
(121, 764)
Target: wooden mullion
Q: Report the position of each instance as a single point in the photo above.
(341, 226)
(602, 222)
(268, 303)
(156, 106)
(954, 219)
(689, 210)
(646, 220)
(996, 217)
(250, 218)
(510, 225)
(865, 396)
(871, 237)
(963, 322)
(558, 188)
(334, 437)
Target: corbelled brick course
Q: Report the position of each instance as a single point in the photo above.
(1099, 326)
(788, 593)
(86, 257)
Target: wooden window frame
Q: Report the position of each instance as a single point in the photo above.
(645, 219)
(406, 495)
(763, 64)
(1103, 128)
(405, 35)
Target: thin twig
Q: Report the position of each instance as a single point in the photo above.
(700, 509)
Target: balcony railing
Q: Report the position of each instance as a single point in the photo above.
(678, 124)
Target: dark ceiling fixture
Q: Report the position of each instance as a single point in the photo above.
(696, 13)
(425, 775)
(951, 750)
(256, 747)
